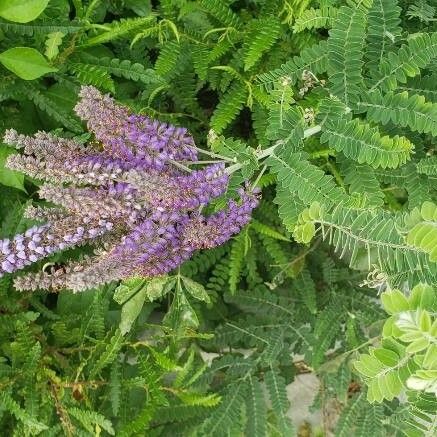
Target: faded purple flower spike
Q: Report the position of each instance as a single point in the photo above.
(129, 196)
(133, 137)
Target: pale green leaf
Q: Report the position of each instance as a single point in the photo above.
(22, 11)
(8, 177)
(195, 289)
(53, 41)
(27, 63)
(394, 302)
(386, 356)
(131, 310)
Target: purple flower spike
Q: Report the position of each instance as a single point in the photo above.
(127, 194)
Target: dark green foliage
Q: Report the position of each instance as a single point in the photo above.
(329, 107)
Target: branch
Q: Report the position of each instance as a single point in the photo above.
(268, 152)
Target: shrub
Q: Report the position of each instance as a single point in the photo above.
(329, 108)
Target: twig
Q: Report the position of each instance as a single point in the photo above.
(269, 151)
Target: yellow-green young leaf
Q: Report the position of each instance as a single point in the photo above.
(427, 374)
(53, 41)
(394, 383)
(411, 336)
(418, 345)
(394, 302)
(430, 358)
(393, 345)
(195, 289)
(26, 63)
(433, 329)
(22, 11)
(389, 326)
(429, 211)
(389, 381)
(368, 365)
(204, 400)
(373, 393)
(423, 296)
(425, 321)
(386, 356)
(424, 236)
(304, 233)
(315, 211)
(8, 177)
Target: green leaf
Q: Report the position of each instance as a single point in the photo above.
(22, 11)
(54, 40)
(267, 230)
(91, 419)
(127, 288)
(204, 400)
(259, 39)
(228, 414)
(345, 51)
(163, 360)
(181, 315)
(110, 353)
(229, 106)
(27, 63)
(195, 289)
(158, 287)
(418, 345)
(407, 62)
(364, 143)
(131, 310)
(430, 359)
(315, 19)
(424, 234)
(8, 177)
(119, 29)
(33, 425)
(386, 356)
(423, 296)
(401, 109)
(313, 58)
(256, 409)
(394, 302)
(278, 396)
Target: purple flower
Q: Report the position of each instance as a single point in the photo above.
(129, 196)
(133, 137)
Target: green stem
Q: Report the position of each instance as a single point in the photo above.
(269, 151)
(212, 161)
(180, 166)
(214, 155)
(259, 177)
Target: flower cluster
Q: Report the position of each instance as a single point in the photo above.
(131, 193)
